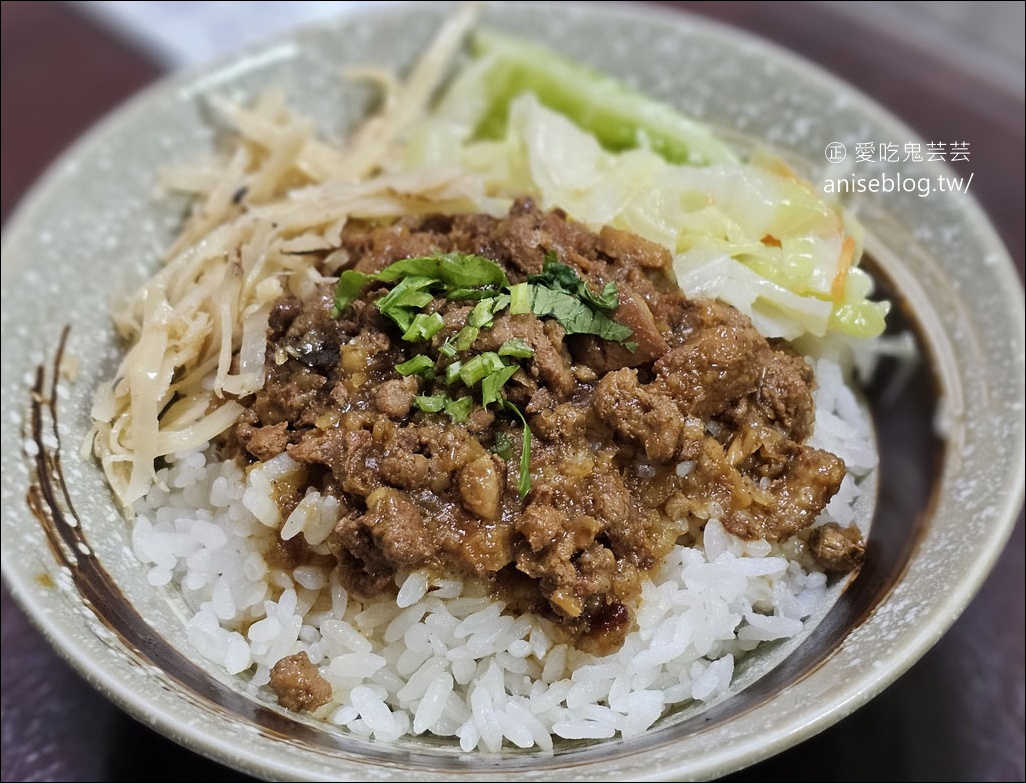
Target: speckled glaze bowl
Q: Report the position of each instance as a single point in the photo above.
(951, 436)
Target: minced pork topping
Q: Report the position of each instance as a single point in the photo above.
(531, 403)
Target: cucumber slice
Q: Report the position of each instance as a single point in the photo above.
(616, 115)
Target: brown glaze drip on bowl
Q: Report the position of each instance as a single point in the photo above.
(52, 506)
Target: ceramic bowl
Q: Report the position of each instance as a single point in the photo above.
(951, 434)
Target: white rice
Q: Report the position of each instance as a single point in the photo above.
(441, 657)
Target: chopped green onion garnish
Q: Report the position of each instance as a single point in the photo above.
(418, 365)
(423, 327)
(491, 385)
(430, 404)
(477, 367)
(520, 299)
(516, 347)
(524, 484)
(458, 410)
(465, 337)
(452, 372)
(447, 349)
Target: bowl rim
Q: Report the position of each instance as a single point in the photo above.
(109, 680)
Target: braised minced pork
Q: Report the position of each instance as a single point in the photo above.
(633, 446)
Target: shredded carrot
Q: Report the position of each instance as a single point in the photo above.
(844, 263)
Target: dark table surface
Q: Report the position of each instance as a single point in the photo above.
(956, 715)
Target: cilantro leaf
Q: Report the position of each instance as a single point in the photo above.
(575, 316)
(454, 270)
(560, 277)
(348, 289)
(409, 293)
(462, 294)
(460, 271)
